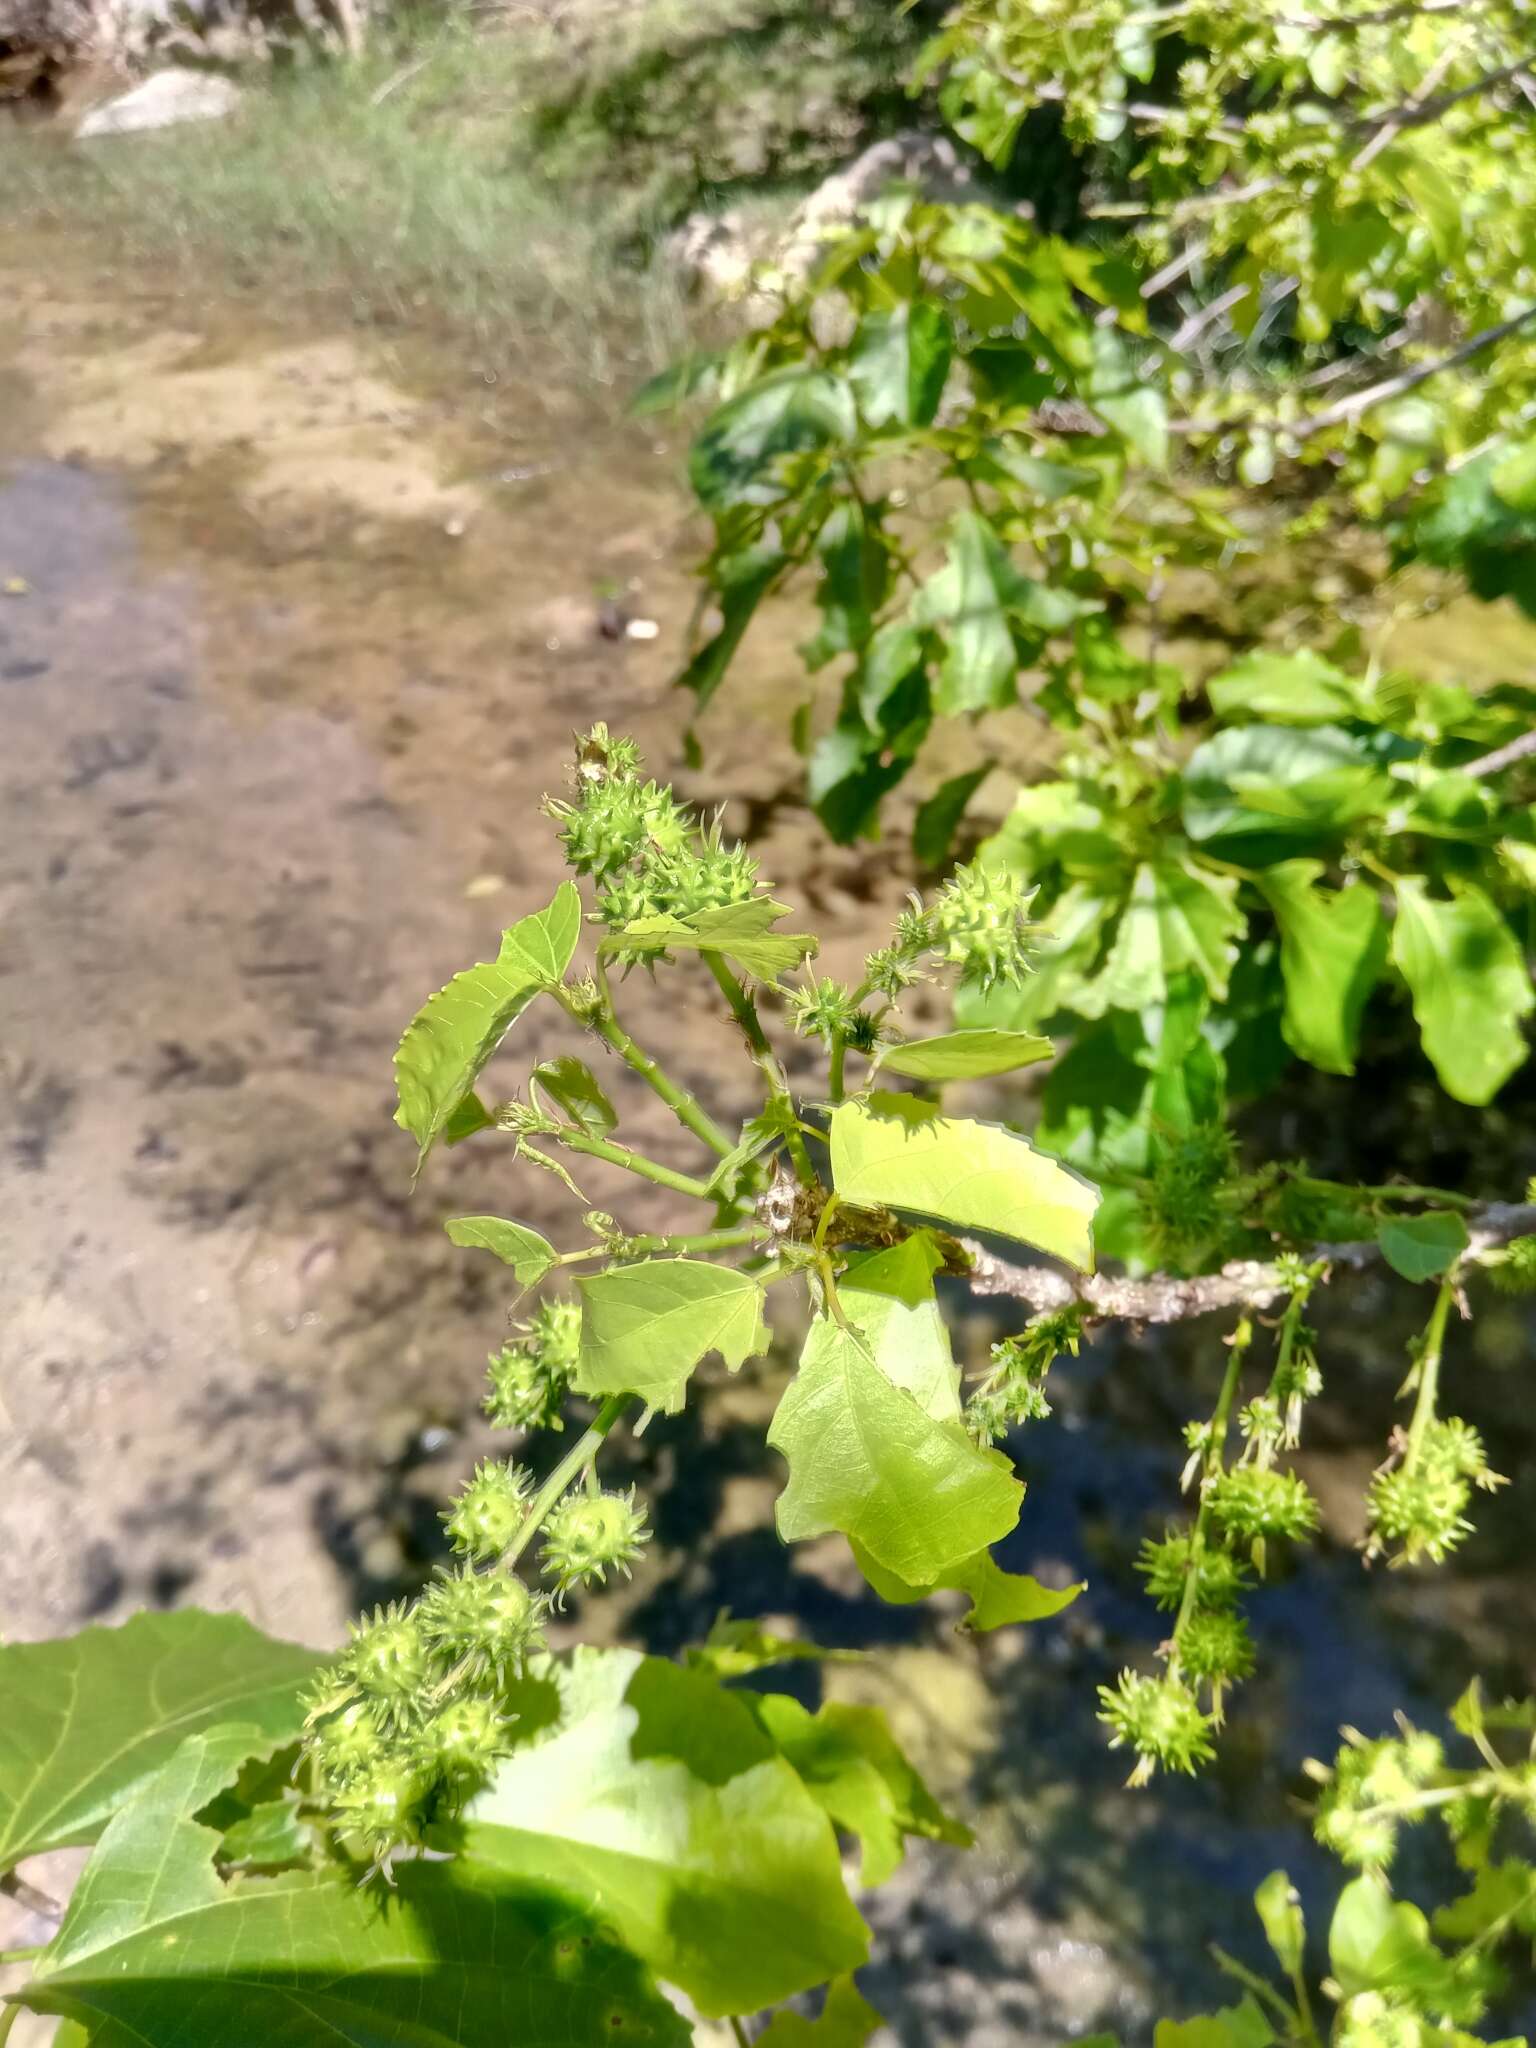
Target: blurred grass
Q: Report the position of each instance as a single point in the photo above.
(402, 189)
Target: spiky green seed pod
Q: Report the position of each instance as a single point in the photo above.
(980, 923)
(529, 1378)
(891, 971)
(387, 1807)
(1254, 1502)
(589, 1534)
(1160, 1719)
(1220, 1577)
(1216, 1648)
(489, 1511)
(348, 1747)
(825, 1010)
(389, 1660)
(464, 1742)
(482, 1622)
(1182, 1197)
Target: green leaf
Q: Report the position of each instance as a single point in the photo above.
(733, 1648)
(850, 1763)
(741, 580)
(1333, 946)
(855, 574)
(1469, 984)
(1121, 392)
(644, 1328)
(89, 1718)
(450, 1040)
(963, 1055)
(529, 1255)
(898, 1151)
(864, 1459)
(268, 1837)
(1178, 915)
(888, 1296)
(1236, 2026)
(938, 818)
(468, 1120)
(846, 2021)
(998, 1598)
(1503, 1895)
(899, 363)
(576, 1092)
(156, 1950)
(1270, 785)
(1279, 1910)
(742, 931)
(737, 455)
(1287, 689)
(1422, 1247)
(656, 1796)
(1378, 1943)
(978, 598)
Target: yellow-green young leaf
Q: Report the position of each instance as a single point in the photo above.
(644, 1328)
(851, 1765)
(998, 1598)
(963, 1055)
(88, 1719)
(1422, 1247)
(1177, 916)
(450, 1040)
(864, 1459)
(1279, 1910)
(743, 932)
(529, 1255)
(656, 1796)
(1333, 946)
(899, 362)
(845, 2021)
(1236, 2026)
(898, 1151)
(888, 1297)
(1470, 987)
(1287, 689)
(571, 1085)
(158, 1951)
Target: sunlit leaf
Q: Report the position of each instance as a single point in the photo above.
(999, 1599)
(574, 1089)
(644, 1328)
(529, 1255)
(1422, 1247)
(963, 1055)
(899, 362)
(1333, 947)
(1469, 983)
(742, 931)
(789, 412)
(845, 2021)
(889, 1298)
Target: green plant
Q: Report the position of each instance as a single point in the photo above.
(599, 1822)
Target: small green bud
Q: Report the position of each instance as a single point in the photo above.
(825, 1010)
(891, 971)
(489, 1511)
(529, 1378)
(386, 1808)
(590, 1533)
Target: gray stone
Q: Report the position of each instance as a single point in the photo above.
(162, 101)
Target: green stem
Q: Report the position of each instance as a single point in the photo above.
(8, 2019)
(744, 1010)
(572, 1466)
(743, 2038)
(683, 1105)
(632, 1162)
(1221, 1420)
(704, 1241)
(1429, 1370)
(835, 1081)
(20, 1955)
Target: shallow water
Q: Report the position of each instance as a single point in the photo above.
(299, 635)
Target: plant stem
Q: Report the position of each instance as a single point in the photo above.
(572, 1466)
(835, 1077)
(8, 2019)
(744, 1010)
(743, 2038)
(704, 1241)
(1429, 1369)
(20, 1955)
(1221, 1418)
(633, 1162)
(683, 1105)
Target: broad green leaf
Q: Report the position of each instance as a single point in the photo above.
(978, 598)
(865, 1460)
(644, 1328)
(1333, 946)
(1279, 1910)
(1121, 391)
(1273, 785)
(963, 1055)
(1469, 984)
(1236, 2026)
(998, 1598)
(1178, 915)
(157, 1951)
(1378, 1943)
(738, 451)
(450, 1040)
(851, 773)
(733, 1648)
(88, 1719)
(851, 1765)
(938, 817)
(888, 1297)
(741, 580)
(576, 1092)
(845, 2021)
(1503, 1895)
(656, 1796)
(1283, 689)
(743, 932)
(1422, 1247)
(269, 1836)
(899, 363)
(529, 1255)
(468, 1120)
(855, 575)
(898, 1151)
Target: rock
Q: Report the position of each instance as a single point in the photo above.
(931, 163)
(162, 101)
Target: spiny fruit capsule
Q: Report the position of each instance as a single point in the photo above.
(981, 923)
(489, 1512)
(388, 1659)
(385, 1807)
(590, 1532)
(348, 1747)
(466, 1740)
(489, 1618)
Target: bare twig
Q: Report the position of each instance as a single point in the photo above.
(1206, 316)
(15, 1886)
(1394, 126)
(1408, 380)
(1241, 1284)
(1503, 757)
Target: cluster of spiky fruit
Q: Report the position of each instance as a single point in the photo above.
(1416, 1508)
(1013, 1388)
(530, 1376)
